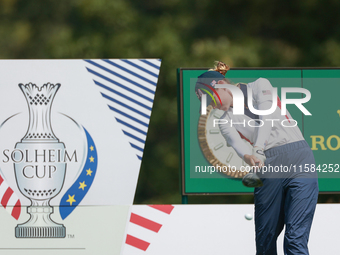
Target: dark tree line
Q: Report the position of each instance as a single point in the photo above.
(242, 33)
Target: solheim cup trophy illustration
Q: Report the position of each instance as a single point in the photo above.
(39, 164)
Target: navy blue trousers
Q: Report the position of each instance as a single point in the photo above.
(286, 199)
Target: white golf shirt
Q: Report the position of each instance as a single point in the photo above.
(268, 131)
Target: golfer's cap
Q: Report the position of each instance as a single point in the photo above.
(205, 82)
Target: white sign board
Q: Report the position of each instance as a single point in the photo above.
(72, 135)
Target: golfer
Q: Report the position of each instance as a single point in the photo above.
(282, 198)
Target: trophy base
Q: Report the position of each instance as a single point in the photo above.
(40, 225)
(40, 232)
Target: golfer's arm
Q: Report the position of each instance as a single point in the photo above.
(234, 139)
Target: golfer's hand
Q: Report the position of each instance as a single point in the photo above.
(259, 153)
(252, 160)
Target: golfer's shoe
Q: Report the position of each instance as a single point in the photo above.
(251, 180)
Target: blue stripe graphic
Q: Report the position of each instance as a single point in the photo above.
(139, 67)
(125, 84)
(75, 194)
(119, 85)
(130, 72)
(130, 126)
(134, 137)
(150, 64)
(128, 116)
(136, 147)
(120, 76)
(122, 95)
(125, 106)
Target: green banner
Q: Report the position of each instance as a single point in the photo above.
(202, 145)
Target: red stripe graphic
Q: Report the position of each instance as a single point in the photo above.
(16, 210)
(145, 223)
(245, 138)
(6, 197)
(215, 92)
(278, 102)
(138, 243)
(164, 208)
